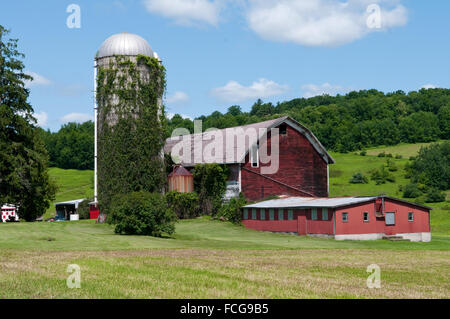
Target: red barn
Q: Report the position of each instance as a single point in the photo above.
(301, 164)
(341, 218)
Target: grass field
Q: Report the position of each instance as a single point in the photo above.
(211, 259)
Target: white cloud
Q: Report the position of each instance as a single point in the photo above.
(236, 92)
(311, 90)
(186, 12)
(177, 97)
(41, 118)
(321, 22)
(76, 117)
(429, 86)
(37, 80)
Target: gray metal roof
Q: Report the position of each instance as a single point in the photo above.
(310, 202)
(72, 202)
(125, 44)
(238, 153)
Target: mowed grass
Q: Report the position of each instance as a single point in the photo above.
(212, 259)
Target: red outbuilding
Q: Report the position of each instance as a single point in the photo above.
(341, 218)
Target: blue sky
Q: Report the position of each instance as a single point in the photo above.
(224, 52)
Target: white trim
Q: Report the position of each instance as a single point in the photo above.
(95, 133)
(423, 237)
(240, 179)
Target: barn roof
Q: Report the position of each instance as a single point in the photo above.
(325, 202)
(71, 202)
(310, 202)
(208, 137)
(180, 171)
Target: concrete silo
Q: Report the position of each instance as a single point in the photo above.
(129, 85)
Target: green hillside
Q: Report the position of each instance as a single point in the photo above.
(76, 184)
(72, 184)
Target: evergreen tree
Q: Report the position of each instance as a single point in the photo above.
(24, 179)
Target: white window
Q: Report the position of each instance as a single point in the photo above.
(314, 214)
(254, 156)
(366, 216)
(324, 213)
(410, 216)
(345, 217)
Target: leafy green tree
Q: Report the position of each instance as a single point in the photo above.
(24, 178)
(432, 166)
(358, 178)
(411, 191)
(210, 185)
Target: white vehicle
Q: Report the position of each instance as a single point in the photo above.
(9, 212)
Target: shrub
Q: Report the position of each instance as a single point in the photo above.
(358, 178)
(411, 191)
(142, 213)
(382, 154)
(434, 196)
(363, 153)
(392, 167)
(389, 155)
(398, 156)
(231, 211)
(84, 209)
(381, 176)
(185, 205)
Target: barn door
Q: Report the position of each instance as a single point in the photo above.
(301, 225)
(390, 223)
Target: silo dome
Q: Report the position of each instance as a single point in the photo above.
(125, 44)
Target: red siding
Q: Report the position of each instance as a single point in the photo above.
(356, 224)
(300, 216)
(300, 166)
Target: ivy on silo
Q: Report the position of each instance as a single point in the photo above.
(131, 130)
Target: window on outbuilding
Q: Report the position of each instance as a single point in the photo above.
(290, 214)
(262, 213)
(410, 216)
(324, 213)
(314, 214)
(253, 213)
(245, 213)
(280, 214)
(345, 217)
(271, 214)
(283, 129)
(366, 216)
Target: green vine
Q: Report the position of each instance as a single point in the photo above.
(131, 127)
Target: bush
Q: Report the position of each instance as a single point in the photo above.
(392, 167)
(185, 205)
(363, 153)
(398, 156)
(382, 154)
(381, 176)
(411, 191)
(84, 209)
(142, 213)
(434, 196)
(231, 211)
(389, 155)
(358, 178)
